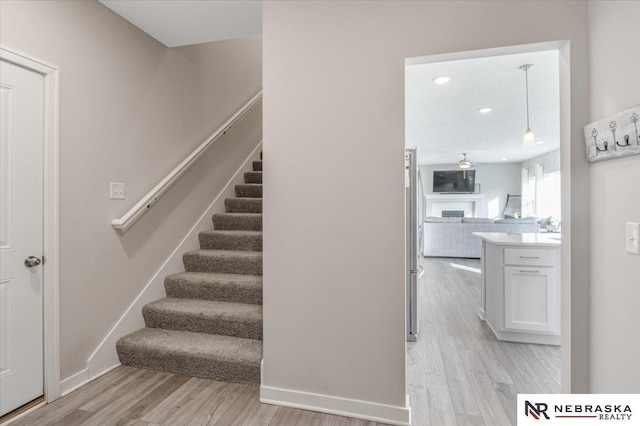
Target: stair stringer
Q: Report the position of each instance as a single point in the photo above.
(104, 358)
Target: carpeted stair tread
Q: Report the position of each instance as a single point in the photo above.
(214, 286)
(210, 323)
(253, 177)
(237, 221)
(249, 190)
(205, 316)
(231, 240)
(224, 358)
(243, 205)
(223, 261)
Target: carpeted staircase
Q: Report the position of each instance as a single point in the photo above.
(210, 323)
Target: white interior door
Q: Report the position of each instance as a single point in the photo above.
(21, 235)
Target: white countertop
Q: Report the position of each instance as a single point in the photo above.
(532, 239)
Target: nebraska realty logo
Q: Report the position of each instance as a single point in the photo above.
(578, 409)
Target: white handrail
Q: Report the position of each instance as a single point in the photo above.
(123, 224)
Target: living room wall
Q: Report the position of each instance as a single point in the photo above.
(496, 181)
(548, 158)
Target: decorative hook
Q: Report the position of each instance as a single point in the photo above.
(594, 134)
(634, 120)
(613, 126)
(606, 147)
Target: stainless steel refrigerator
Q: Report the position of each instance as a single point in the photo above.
(414, 221)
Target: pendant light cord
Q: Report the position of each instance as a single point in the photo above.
(526, 79)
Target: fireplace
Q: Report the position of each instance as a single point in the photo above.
(472, 205)
(452, 213)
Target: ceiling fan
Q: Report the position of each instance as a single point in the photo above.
(464, 163)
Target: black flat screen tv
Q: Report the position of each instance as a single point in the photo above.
(454, 181)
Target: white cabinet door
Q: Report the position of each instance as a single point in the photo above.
(530, 299)
(21, 235)
(483, 281)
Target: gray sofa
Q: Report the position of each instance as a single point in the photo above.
(453, 237)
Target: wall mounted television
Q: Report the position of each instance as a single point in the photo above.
(454, 181)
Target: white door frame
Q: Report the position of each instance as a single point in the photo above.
(51, 326)
(563, 49)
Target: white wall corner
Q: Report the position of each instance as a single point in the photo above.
(365, 410)
(105, 358)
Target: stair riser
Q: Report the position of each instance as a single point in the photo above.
(253, 177)
(251, 191)
(214, 291)
(230, 242)
(188, 365)
(246, 329)
(243, 205)
(224, 265)
(237, 223)
(257, 166)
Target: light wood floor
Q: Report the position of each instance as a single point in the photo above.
(129, 396)
(458, 372)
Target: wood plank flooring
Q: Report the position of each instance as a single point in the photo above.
(459, 374)
(130, 396)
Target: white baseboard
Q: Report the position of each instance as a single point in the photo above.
(73, 382)
(80, 379)
(365, 410)
(105, 358)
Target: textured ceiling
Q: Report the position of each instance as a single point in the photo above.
(182, 22)
(443, 120)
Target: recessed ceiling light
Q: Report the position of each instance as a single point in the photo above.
(539, 142)
(484, 110)
(503, 159)
(441, 80)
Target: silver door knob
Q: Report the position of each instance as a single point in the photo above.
(32, 261)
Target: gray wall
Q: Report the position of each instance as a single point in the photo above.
(130, 110)
(496, 181)
(615, 200)
(334, 188)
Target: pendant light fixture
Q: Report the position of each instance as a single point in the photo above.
(529, 138)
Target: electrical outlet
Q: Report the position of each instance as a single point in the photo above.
(633, 237)
(117, 191)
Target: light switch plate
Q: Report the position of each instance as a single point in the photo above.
(633, 237)
(117, 191)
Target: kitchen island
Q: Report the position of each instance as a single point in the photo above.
(520, 289)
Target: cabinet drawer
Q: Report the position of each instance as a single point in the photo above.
(533, 257)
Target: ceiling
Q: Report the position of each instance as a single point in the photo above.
(182, 22)
(443, 120)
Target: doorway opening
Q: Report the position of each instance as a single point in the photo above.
(487, 128)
